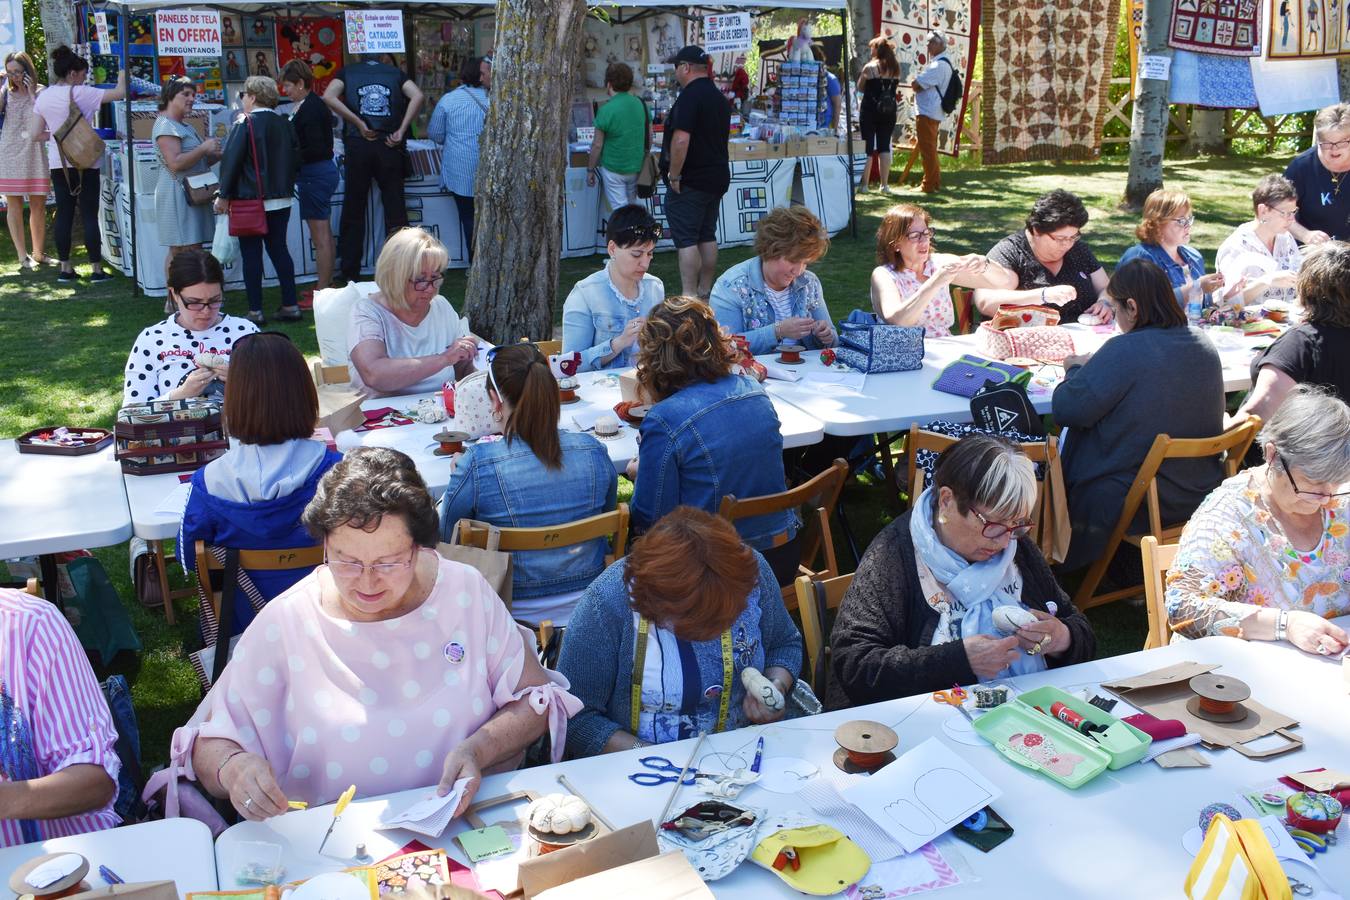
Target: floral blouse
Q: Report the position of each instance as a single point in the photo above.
(938, 314)
(1234, 556)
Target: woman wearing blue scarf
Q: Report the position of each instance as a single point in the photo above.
(919, 613)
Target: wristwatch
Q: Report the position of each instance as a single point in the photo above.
(1282, 625)
(672, 178)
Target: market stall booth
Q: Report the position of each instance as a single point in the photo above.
(772, 163)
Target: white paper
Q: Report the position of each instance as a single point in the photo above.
(923, 794)
(825, 798)
(726, 32)
(175, 501)
(781, 372)
(1155, 67)
(785, 774)
(1158, 748)
(429, 816)
(53, 870)
(852, 380)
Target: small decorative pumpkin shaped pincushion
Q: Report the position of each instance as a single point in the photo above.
(758, 685)
(1007, 619)
(559, 814)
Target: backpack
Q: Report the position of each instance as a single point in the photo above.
(951, 97)
(886, 107)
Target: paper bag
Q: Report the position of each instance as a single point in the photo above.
(142, 890)
(606, 851)
(1163, 693)
(665, 877)
(629, 389)
(339, 408)
(493, 564)
(1053, 528)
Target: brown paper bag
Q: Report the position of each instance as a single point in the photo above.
(143, 890)
(607, 851)
(1054, 529)
(1163, 693)
(665, 877)
(493, 564)
(339, 408)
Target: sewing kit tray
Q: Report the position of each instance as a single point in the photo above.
(169, 436)
(93, 440)
(1038, 741)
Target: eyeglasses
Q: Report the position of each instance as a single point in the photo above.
(637, 234)
(1333, 145)
(1317, 496)
(355, 570)
(1184, 221)
(196, 304)
(1068, 241)
(421, 284)
(1289, 214)
(994, 530)
(916, 236)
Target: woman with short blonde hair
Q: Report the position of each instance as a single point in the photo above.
(407, 338)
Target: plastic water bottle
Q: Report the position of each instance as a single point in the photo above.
(1194, 308)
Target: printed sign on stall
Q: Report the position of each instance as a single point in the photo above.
(101, 27)
(726, 32)
(188, 32)
(375, 31)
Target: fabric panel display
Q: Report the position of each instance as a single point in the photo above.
(1229, 28)
(907, 23)
(1204, 79)
(1047, 67)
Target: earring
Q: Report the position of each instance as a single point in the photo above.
(942, 520)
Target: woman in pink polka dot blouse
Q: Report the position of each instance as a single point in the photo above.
(389, 667)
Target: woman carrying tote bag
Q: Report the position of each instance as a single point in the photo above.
(74, 181)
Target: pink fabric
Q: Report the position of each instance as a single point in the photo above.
(47, 676)
(939, 315)
(329, 702)
(53, 105)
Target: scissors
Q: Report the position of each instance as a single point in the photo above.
(955, 697)
(661, 764)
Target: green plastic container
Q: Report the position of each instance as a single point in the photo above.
(1016, 720)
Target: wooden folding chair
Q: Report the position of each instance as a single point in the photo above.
(1157, 560)
(815, 598)
(329, 374)
(612, 525)
(548, 348)
(1144, 489)
(820, 496)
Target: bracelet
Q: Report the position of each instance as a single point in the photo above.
(220, 768)
(1042, 296)
(1281, 625)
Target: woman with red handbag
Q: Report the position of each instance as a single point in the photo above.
(259, 206)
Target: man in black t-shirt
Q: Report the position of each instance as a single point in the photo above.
(376, 102)
(1319, 174)
(696, 169)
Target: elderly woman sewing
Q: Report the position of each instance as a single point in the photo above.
(388, 667)
(1266, 556)
(675, 623)
(920, 613)
(771, 296)
(407, 338)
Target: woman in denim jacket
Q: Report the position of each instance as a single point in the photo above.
(535, 475)
(606, 310)
(771, 297)
(709, 433)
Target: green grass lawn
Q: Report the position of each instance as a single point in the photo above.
(63, 347)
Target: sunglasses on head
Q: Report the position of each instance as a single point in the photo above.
(637, 234)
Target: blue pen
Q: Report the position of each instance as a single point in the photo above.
(110, 876)
(759, 754)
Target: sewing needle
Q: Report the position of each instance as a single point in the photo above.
(595, 813)
(342, 802)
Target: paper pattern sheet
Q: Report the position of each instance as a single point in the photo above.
(914, 873)
(824, 797)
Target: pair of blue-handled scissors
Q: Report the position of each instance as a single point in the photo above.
(660, 764)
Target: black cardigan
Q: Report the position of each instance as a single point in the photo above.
(881, 644)
(278, 159)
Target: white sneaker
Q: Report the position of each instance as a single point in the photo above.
(886, 189)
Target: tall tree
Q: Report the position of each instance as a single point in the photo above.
(58, 26)
(519, 191)
(863, 30)
(1148, 128)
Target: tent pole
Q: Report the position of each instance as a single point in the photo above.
(129, 242)
(848, 121)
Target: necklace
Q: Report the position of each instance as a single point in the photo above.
(1335, 182)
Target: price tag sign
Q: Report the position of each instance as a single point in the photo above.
(726, 32)
(585, 134)
(375, 31)
(101, 26)
(186, 32)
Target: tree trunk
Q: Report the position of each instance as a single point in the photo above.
(1148, 128)
(1343, 75)
(58, 27)
(1207, 131)
(519, 191)
(863, 30)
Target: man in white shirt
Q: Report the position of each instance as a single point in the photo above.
(929, 87)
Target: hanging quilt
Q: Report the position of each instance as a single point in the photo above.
(907, 23)
(1225, 27)
(1206, 79)
(1307, 29)
(1047, 67)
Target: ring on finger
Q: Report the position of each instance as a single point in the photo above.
(248, 801)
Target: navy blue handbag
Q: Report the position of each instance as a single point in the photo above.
(870, 345)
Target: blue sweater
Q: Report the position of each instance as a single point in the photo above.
(597, 655)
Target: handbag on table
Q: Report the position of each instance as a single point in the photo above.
(248, 218)
(1025, 331)
(966, 376)
(872, 346)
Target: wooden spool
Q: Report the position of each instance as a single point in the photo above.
(451, 442)
(789, 354)
(62, 887)
(864, 746)
(1218, 698)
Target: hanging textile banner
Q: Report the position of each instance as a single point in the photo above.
(1223, 27)
(908, 23)
(1207, 79)
(1133, 10)
(1047, 68)
(1307, 29)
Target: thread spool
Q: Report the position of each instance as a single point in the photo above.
(1218, 698)
(548, 843)
(450, 442)
(864, 746)
(567, 390)
(789, 354)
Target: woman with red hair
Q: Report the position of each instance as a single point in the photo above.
(675, 623)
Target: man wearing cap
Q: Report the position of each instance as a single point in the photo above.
(929, 87)
(696, 169)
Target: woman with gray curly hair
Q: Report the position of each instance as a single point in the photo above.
(1266, 557)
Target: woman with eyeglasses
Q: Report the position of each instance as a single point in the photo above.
(387, 667)
(606, 310)
(1262, 251)
(1157, 377)
(1319, 175)
(919, 615)
(406, 338)
(534, 475)
(251, 497)
(1265, 556)
(1163, 234)
(170, 360)
(912, 284)
(1049, 263)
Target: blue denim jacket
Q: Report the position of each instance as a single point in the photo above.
(742, 306)
(1195, 264)
(708, 440)
(595, 312)
(503, 483)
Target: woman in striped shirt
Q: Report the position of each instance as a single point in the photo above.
(58, 766)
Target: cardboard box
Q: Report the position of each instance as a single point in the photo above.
(747, 149)
(579, 159)
(795, 146)
(822, 146)
(775, 150)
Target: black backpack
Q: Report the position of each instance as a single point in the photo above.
(886, 107)
(951, 97)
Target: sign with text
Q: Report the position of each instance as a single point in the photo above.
(101, 26)
(375, 31)
(726, 32)
(187, 32)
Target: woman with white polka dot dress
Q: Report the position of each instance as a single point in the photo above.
(163, 362)
(388, 667)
